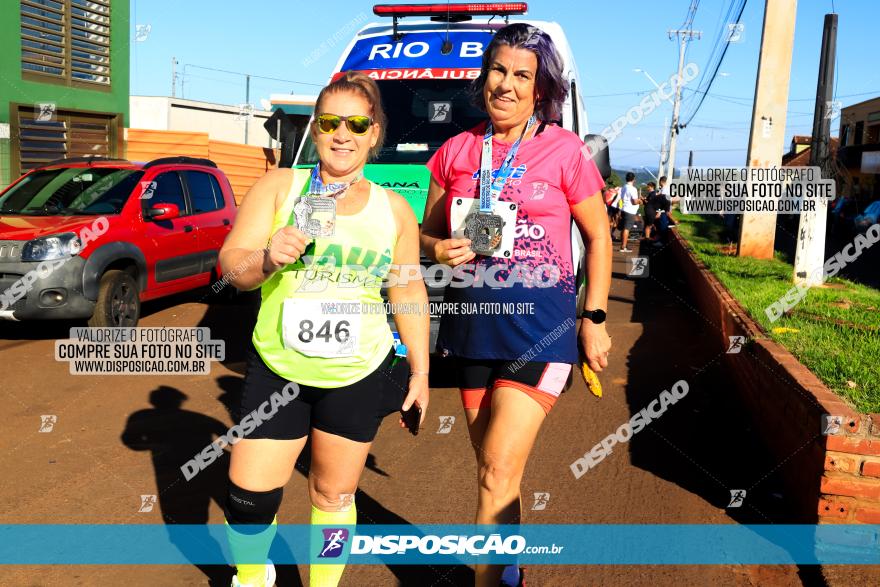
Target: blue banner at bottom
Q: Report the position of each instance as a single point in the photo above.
(450, 544)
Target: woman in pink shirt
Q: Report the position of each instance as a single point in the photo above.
(500, 206)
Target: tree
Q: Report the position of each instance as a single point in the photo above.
(614, 180)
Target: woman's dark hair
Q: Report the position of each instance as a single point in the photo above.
(550, 83)
(363, 85)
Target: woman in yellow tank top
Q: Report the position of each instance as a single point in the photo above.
(321, 362)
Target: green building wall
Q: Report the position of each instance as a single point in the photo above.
(14, 89)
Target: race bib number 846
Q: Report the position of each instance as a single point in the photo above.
(307, 329)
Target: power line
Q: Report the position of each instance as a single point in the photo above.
(749, 99)
(222, 81)
(708, 86)
(733, 100)
(716, 45)
(667, 157)
(689, 21)
(690, 148)
(617, 94)
(732, 127)
(276, 79)
(692, 11)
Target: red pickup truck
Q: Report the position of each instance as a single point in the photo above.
(91, 238)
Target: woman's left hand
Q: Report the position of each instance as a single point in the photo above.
(419, 393)
(596, 344)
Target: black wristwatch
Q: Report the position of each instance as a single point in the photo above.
(595, 316)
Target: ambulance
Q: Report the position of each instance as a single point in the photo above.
(423, 57)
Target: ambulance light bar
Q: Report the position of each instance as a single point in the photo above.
(469, 9)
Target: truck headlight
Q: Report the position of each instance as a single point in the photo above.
(49, 248)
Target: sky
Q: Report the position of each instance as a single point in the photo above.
(610, 39)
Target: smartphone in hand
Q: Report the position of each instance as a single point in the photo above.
(411, 418)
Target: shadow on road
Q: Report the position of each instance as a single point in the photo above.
(706, 442)
(173, 435)
(233, 321)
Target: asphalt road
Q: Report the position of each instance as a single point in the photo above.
(117, 438)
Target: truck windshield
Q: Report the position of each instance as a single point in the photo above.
(422, 115)
(71, 190)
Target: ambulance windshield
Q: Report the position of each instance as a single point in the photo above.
(422, 115)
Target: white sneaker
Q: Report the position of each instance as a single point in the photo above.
(625, 250)
(269, 581)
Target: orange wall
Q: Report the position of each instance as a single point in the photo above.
(242, 164)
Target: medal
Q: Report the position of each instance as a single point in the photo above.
(315, 216)
(484, 228)
(314, 211)
(484, 231)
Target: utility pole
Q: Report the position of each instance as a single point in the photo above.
(810, 249)
(683, 37)
(663, 148)
(173, 76)
(247, 100)
(757, 230)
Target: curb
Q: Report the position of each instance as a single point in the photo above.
(830, 478)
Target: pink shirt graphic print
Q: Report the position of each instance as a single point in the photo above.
(550, 174)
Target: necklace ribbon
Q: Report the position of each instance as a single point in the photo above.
(330, 190)
(491, 190)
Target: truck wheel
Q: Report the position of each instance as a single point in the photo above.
(118, 301)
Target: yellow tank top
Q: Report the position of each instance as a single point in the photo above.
(322, 321)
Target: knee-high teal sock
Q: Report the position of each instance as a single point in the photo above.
(250, 553)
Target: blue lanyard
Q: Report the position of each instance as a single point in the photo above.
(491, 190)
(317, 187)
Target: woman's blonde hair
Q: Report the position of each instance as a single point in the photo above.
(363, 85)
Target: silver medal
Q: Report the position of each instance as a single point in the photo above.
(484, 231)
(315, 217)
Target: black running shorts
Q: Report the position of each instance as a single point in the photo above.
(354, 411)
(478, 379)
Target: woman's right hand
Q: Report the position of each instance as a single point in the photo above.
(286, 246)
(453, 251)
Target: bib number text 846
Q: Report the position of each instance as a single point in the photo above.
(307, 331)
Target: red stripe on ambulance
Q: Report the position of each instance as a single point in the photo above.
(418, 73)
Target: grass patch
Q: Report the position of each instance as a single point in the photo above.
(834, 330)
